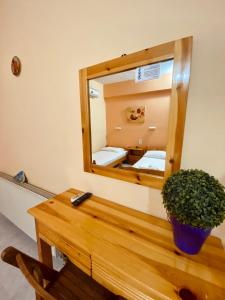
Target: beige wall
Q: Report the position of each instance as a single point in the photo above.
(40, 129)
(98, 118)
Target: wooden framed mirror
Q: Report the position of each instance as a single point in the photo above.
(133, 113)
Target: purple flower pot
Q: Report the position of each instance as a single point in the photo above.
(187, 238)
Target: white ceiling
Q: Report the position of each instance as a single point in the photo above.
(166, 67)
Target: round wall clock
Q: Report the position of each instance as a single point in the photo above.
(16, 66)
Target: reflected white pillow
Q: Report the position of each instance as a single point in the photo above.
(113, 149)
(156, 154)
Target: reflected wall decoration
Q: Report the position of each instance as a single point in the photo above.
(136, 114)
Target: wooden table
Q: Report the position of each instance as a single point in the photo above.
(129, 252)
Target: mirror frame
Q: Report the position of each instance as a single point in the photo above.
(178, 50)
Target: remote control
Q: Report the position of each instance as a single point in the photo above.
(76, 200)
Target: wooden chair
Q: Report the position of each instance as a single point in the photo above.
(68, 284)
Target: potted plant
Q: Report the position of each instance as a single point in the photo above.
(195, 203)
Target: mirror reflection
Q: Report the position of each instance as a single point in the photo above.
(129, 114)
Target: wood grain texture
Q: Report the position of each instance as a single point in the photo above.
(77, 255)
(180, 51)
(44, 253)
(129, 175)
(132, 253)
(115, 162)
(147, 56)
(146, 171)
(85, 119)
(179, 95)
(44, 249)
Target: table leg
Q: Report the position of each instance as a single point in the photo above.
(44, 253)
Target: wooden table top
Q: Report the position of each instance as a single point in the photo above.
(133, 253)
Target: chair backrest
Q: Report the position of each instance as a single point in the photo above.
(37, 274)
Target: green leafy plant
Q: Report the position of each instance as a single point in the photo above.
(194, 197)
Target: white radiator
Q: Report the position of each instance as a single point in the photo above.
(14, 203)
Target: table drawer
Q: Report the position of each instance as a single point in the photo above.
(78, 256)
(115, 281)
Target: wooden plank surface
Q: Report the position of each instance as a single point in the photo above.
(78, 256)
(147, 56)
(178, 104)
(132, 253)
(44, 253)
(134, 176)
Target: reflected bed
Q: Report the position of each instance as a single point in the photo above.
(109, 156)
(153, 160)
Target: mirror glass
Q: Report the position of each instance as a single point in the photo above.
(129, 117)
